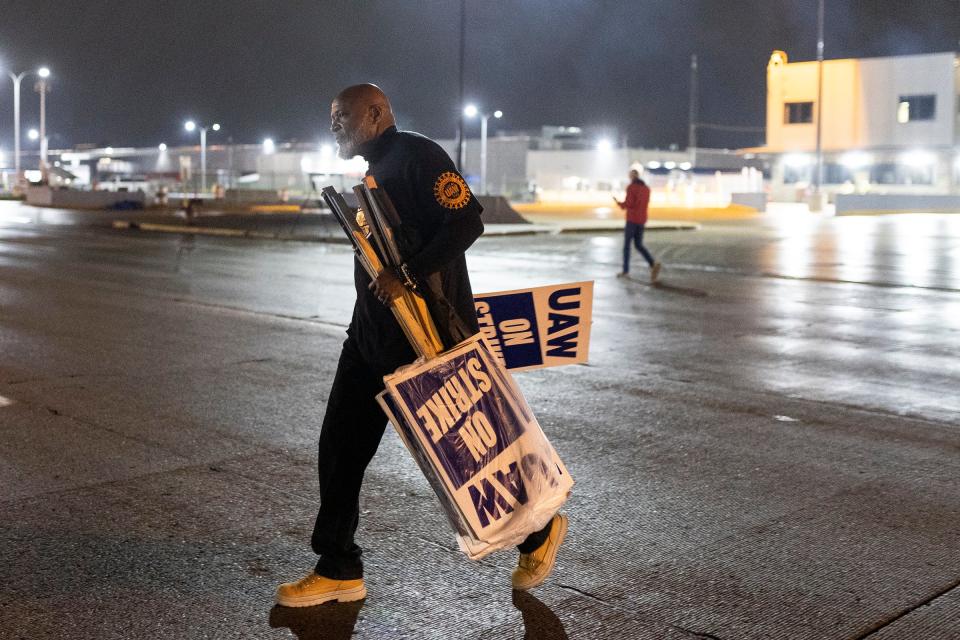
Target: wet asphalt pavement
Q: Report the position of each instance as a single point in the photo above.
(765, 445)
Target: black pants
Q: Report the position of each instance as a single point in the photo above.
(352, 429)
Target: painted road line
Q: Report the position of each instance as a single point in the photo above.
(276, 208)
(206, 231)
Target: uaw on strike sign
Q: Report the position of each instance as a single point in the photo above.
(537, 328)
(480, 447)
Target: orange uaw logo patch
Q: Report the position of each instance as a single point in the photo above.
(451, 191)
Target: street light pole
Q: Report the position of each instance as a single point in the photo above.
(463, 37)
(483, 153)
(44, 73)
(818, 178)
(470, 111)
(190, 125)
(42, 87)
(203, 159)
(694, 108)
(16, 77)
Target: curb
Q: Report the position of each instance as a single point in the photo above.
(490, 230)
(895, 212)
(649, 227)
(217, 231)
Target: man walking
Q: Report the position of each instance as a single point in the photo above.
(434, 200)
(636, 204)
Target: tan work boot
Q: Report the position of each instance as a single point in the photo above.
(315, 589)
(534, 567)
(655, 271)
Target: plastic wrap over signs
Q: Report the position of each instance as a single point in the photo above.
(474, 437)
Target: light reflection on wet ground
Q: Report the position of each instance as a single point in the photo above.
(912, 250)
(859, 309)
(773, 428)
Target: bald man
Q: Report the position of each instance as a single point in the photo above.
(435, 202)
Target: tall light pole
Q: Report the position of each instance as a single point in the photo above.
(463, 48)
(43, 87)
(34, 136)
(16, 78)
(191, 126)
(694, 108)
(471, 111)
(818, 178)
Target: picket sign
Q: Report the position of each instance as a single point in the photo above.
(539, 327)
(473, 435)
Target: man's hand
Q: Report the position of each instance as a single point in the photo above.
(619, 204)
(386, 286)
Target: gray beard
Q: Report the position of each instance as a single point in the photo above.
(350, 148)
(346, 151)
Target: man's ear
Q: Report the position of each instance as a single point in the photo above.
(376, 113)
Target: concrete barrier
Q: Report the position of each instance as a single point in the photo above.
(851, 204)
(755, 199)
(253, 196)
(43, 196)
(497, 210)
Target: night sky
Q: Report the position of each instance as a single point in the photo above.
(127, 72)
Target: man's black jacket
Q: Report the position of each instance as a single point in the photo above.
(440, 215)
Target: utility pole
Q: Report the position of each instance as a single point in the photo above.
(203, 159)
(42, 87)
(694, 110)
(818, 178)
(230, 162)
(460, 127)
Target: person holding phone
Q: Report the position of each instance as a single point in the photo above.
(636, 204)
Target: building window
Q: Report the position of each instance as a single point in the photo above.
(912, 108)
(798, 113)
(899, 173)
(833, 173)
(836, 173)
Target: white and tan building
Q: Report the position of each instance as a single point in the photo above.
(888, 125)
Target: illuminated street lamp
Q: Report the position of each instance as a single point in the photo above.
(44, 73)
(471, 111)
(191, 126)
(33, 134)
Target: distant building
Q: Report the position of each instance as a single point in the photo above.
(586, 160)
(519, 165)
(889, 125)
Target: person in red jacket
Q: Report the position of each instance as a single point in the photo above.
(635, 204)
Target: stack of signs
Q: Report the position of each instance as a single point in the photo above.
(473, 435)
(457, 409)
(374, 243)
